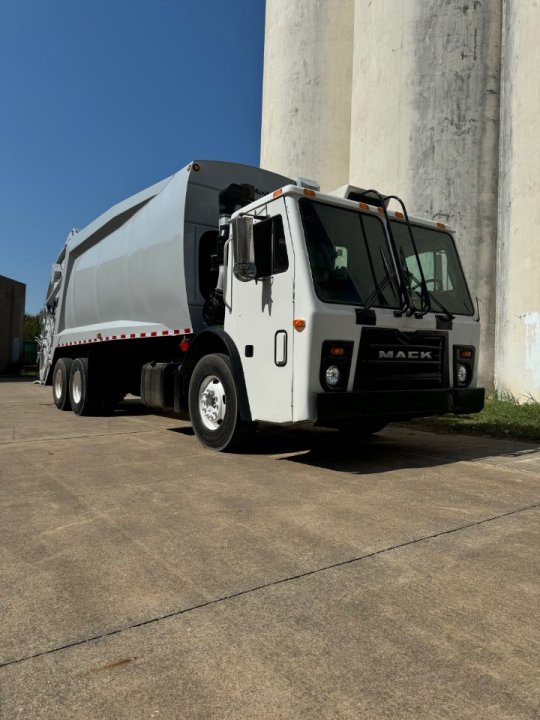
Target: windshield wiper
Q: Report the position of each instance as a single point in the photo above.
(431, 296)
(388, 279)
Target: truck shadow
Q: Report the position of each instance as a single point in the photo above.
(391, 449)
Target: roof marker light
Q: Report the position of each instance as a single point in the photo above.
(441, 225)
(277, 193)
(399, 215)
(309, 192)
(363, 206)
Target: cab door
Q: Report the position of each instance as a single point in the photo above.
(259, 318)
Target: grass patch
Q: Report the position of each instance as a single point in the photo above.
(501, 418)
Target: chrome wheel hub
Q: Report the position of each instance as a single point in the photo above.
(58, 385)
(76, 387)
(212, 402)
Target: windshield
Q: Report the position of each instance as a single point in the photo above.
(351, 261)
(349, 255)
(440, 263)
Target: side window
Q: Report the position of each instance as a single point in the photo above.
(270, 247)
(279, 247)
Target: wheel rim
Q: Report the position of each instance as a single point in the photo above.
(212, 402)
(76, 387)
(58, 384)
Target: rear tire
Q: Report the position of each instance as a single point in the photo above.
(213, 405)
(60, 383)
(78, 388)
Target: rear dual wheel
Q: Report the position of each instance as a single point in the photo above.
(78, 388)
(60, 383)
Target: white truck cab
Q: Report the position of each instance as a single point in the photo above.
(325, 309)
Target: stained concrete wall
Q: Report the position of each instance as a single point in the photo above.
(432, 120)
(307, 89)
(12, 299)
(517, 368)
(425, 124)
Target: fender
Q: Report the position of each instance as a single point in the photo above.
(215, 339)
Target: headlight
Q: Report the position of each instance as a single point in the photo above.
(463, 365)
(332, 376)
(335, 367)
(462, 374)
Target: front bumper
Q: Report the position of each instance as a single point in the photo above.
(396, 404)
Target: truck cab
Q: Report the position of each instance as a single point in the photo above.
(348, 314)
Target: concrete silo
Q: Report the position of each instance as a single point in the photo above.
(425, 123)
(517, 363)
(307, 89)
(437, 101)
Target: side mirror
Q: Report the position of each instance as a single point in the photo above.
(243, 249)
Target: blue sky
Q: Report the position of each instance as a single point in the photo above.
(101, 98)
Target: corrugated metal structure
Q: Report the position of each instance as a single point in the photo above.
(12, 300)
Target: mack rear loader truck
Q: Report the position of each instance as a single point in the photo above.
(235, 296)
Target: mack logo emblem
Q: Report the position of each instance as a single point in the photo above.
(405, 355)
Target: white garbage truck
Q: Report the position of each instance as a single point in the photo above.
(234, 296)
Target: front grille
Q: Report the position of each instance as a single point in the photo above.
(390, 359)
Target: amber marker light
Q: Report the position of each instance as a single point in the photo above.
(277, 193)
(337, 351)
(441, 225)
(299, 324)
(380, 211)
(399, 215)
(465, 354)
(309, 193)
(363, 206)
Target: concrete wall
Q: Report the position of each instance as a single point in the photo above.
(425, 124)
(307, 89)
(425, 113)
(517, 368)
(12, 300)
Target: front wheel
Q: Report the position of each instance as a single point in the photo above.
(213, 405)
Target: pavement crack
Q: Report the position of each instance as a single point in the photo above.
(273, 583)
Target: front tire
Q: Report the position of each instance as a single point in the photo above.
(60, 383)
(213, 405)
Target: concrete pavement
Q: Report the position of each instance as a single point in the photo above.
(144, 576)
